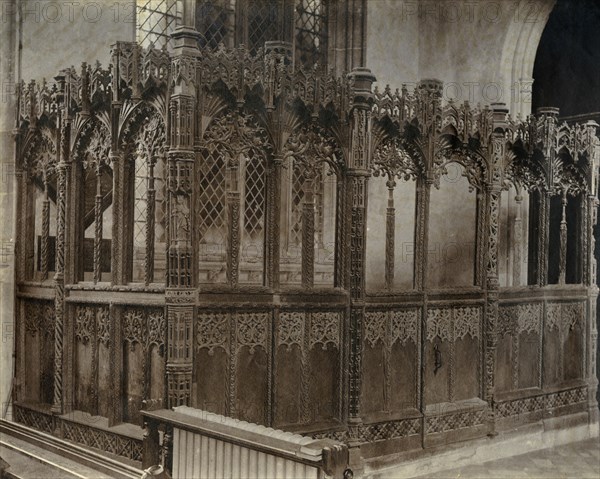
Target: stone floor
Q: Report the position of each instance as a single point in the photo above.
(578, 460)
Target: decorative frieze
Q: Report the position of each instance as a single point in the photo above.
(380, 431)
(452, 421)
(453, 324)
(39, 317)
(541, 402)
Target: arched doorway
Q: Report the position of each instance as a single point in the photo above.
(566, 71)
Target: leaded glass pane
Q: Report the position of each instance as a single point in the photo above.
(215, 22)
(156, 20)
(262, 23)
(311, 33)
(211, 207)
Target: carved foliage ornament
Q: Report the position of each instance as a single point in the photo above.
(564, 316)
(310, 146)
(291, 329)
(325, 329)
(521, 318)
(392, 160)
(143, 130)
(39, 317)
(40, 154)
(92, 321)
(391, 327)
(251, 330)
(237, 135)
(145, 327)
(212, 331)
(452, 324)
(93, 144)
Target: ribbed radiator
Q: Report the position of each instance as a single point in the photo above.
(210, 446)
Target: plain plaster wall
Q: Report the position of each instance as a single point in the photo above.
(57, 34)
(483, 50)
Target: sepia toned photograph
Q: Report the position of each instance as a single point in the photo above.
(299, 239)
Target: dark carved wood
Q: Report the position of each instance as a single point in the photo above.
(243, 109)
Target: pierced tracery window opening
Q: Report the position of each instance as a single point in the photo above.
(97, 219)
(324, 204)
(215, 22)
(253, 231)
(263, 23)
(149, 212)
(311, 33)
(156, 20)
(212, 233)
(45, 225)
(298, 180)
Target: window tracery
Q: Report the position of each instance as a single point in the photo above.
(156, 21)
(249, 22)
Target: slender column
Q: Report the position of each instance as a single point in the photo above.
(493, 196)
(233, 220)
(45, 229)
(390, 226)
(273, 225)
(517, 246)
(119, 240)
(422, 232)
(480, 247)
(357, 180)
(543, 235)
(548, 123)
(150, 219)
(98, 224)
(340, 272)
(61, 194)
(181, 158)
(592, 330)
(308, 233)
(115, 413)
(562, 265)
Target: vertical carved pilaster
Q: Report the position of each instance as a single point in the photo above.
(390, 226)
(21, 223)
(45, 231)
(305, 409)
(592, 330)
(562, 262)
(150, 220)
(179, 350)
(517, 246)
(480, 247)
(273, 224)
(57, 405)
(357, 180)
(232, 369)
(340, 272)
(421, 233)
(180, 295)
(544, 232)
(115, 331)
(233, 243)
(119, 241)
(492, 200)
(308, 234)
(98, 225)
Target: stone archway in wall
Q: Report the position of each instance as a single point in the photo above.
(566, 70)
(519, 52)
